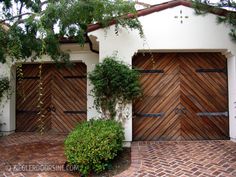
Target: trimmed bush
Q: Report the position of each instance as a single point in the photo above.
(93, 144)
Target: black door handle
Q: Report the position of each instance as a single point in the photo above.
(177, 110)
(184, 110)
(48, 109)
(51, 109)
(180, 110)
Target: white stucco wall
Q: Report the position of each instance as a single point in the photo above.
(232, 95)
(163, 32)
(7, 105)
(77, 54)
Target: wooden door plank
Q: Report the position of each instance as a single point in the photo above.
(27, 99)
(60, 91)
(203, 92)
(160, 94)
(69, 94)
(197, 92)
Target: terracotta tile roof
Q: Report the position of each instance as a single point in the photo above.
(160, 7)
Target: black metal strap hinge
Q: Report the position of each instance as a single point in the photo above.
(155, 71)
(74, 77)
(212, 70)
(75, 112)
(210, 114)
(156, 115)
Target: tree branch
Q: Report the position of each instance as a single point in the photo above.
(20, 10)
(17, 16)
(20, 14)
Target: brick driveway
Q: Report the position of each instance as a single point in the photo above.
(149, 159)
(31, 149)
(183, 159)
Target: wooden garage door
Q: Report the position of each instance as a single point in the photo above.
(64, 97)
(184, 97)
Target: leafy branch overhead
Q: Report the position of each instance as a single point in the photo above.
(27, 25)
(227, 17)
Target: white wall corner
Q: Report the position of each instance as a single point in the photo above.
(233, 139)
(232, 94)
(127, 144)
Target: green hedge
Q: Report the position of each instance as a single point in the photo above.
(93, 144)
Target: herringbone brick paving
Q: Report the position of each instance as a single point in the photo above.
(32, 149)
(184, 159)
(149, 159)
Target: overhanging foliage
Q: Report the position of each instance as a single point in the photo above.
(229, 18)
(36, 26)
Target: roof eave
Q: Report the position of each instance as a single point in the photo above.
(157, 8)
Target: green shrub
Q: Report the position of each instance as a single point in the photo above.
(114, 83)
(93, 144)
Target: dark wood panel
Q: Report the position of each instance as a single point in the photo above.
(203, 92)
(64, 90)
(180, 93)
(160, 94)
(71, 98)
(27, 99)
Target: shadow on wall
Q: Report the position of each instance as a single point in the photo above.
(235, 109)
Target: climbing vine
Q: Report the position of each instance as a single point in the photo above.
(4, 87)
(115, 85)
(4, 93)
(40, 102)
(40, 87)
(20, 77)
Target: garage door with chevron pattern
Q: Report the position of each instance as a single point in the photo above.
(64, 97)
(185, 97)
